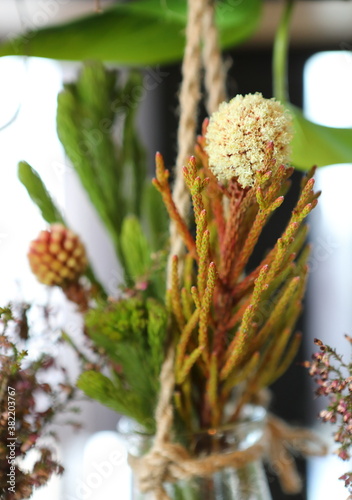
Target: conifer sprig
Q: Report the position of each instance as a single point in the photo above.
(234, 329)
(161, 183)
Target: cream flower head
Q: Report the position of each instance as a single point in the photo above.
(238, 134)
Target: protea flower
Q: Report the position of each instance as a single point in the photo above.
(57, 256)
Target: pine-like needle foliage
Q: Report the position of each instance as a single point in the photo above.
(113, 174)
(131, 334)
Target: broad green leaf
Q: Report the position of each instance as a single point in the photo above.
(135, 248)
(142, 32)
(315, 144)
(38, 193)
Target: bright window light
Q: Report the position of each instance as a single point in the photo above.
(328, 101)
(105, 469)
(28, 90)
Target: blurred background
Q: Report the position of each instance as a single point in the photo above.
(320, 81)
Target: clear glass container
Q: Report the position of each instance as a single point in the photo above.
(246, 483)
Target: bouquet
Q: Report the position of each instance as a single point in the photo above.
(219, 331)
(196, 333)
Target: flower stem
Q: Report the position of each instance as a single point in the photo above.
(280, 51)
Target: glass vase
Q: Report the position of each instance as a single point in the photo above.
(246, 483)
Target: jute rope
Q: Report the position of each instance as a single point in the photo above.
(200, 29)
(215, 74)
(189, 100)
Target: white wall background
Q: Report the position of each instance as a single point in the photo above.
(328, 101)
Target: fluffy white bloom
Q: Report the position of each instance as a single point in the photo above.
(238, 134)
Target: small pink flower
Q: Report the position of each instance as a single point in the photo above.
(327, 416)
(342, 406)
(347, 416)
(343, 455)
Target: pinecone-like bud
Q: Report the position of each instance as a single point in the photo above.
(57, 256)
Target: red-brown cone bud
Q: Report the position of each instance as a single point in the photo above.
(57, 256)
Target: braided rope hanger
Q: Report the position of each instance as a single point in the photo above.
(201, 30)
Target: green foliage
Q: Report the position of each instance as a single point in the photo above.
(135, 248)
(156, 217)
(141, 32)
(84, 123)
(39, 194)
(99, 387)
(315, 144)
(133, 154)
(142, 268)
(123, 320)
(132, 333)
(113, 177)
(156, 329)
(113, 174)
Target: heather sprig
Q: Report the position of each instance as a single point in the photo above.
(334, 379)
(22, 384)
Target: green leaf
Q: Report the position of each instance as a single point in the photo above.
(156, 217)
(84, 125)
(156, 328)
(135, 248)
(315, 144)
(139, 375)
(99, 387)
(143, 32)
(132, 333)
(39, 194)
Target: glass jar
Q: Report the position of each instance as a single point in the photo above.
(246, 483)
